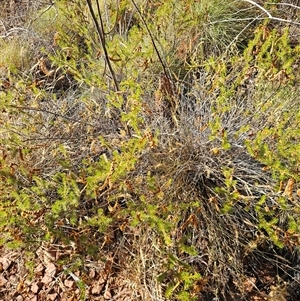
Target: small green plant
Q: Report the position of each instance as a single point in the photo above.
(183, 281)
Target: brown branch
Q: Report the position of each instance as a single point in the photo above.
(101, 35)
(166, 73)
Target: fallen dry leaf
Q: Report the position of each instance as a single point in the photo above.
(68, 283)
(3, 281)
(36, 287)
(49, 273)
(39, 269)
(107, 295)
(52, 297)
(19, 298)
(4, 263)
(92, 273)
(97, 288)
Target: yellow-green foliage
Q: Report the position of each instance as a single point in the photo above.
(70, 155)
(275, 59)
(271, 53)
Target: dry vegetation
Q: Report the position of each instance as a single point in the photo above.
(149, 150)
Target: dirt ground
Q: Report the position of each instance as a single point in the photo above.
(44, 277)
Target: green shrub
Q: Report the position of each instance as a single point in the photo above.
(192, 172)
